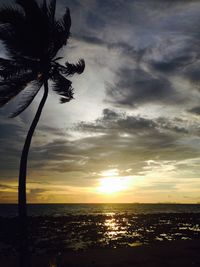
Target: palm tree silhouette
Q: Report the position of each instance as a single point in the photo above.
(32, 37)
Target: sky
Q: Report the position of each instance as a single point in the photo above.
(132, 133)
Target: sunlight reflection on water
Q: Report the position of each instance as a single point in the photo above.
(81, 232)
(114, 228)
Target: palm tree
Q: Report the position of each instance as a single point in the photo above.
(32, 37)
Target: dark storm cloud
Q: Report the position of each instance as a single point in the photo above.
(172, 65)
(183, 62)
(119, 122)
(149, 79)
(109, 114)
(164, 45)
(136, 86)
(112, 120)
(175, 125)
(195, 110)
(192, 73)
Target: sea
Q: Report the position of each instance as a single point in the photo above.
(10, 210)
(63, 227)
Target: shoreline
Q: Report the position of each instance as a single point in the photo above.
(183, 253)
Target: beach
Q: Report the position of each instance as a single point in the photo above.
(163, 254)
(105, 236)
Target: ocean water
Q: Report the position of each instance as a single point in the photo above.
(57, 228)
(10, 210)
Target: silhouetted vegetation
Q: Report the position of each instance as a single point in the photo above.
(32, 36)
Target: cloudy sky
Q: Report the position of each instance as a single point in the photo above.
(132, 133)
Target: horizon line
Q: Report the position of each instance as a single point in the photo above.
(96, 203)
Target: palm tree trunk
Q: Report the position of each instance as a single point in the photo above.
(22, 205)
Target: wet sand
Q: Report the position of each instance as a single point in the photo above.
(163, 254)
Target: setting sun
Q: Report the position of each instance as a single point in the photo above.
(112, 183)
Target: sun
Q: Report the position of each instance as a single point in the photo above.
(111, 183)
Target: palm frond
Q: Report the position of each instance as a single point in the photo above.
(49, 11)
(69, 69)
(52, 9)
(32, 37)
(36, 26)
(6, 33)
(75, 68)
(66, 22)
(57, 58)
(15, 38)
(28, 6)
(63, 87)
(28, 97)
(10, 15)
(10, 68)
(27, 31)
(61, 31)
(44, 7)
(12, 87)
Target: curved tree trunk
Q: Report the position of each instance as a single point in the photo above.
(22, 205)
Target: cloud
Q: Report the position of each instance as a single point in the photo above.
(153, 52)
(120, 122)
(135, 87)
(5, 187)
(136, 99)
(195, 110)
